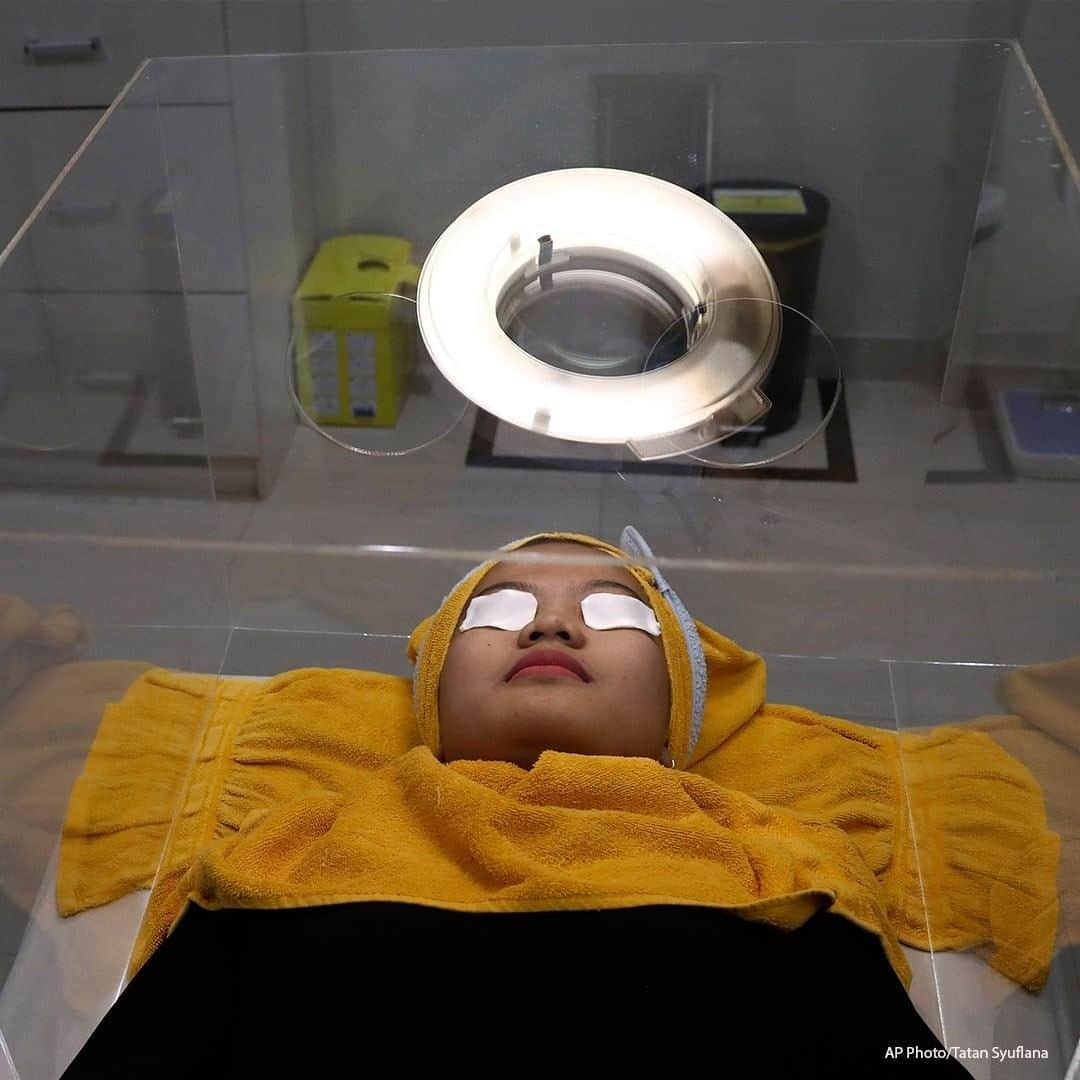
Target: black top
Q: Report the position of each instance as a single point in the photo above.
(377, 988)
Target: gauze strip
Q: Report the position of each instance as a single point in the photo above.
(514, 609)
(507, 609)
(613, 611)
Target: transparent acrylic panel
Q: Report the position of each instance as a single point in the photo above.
(1007, 449)
(1013, 365)
(881, 559)
(110, 559)
(424, 148)
(1029, 719)
(1007, 445)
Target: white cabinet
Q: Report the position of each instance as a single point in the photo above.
(97, 289)
(103, 228)
(111, 224)
(203, 180)
(126, 374)
(136, 268)
(221, 350)
(66, 53)
(57, 134)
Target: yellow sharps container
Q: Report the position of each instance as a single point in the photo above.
(355, 344)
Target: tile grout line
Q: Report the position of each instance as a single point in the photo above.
(980, 598)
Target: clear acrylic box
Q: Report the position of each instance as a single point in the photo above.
(159, 486)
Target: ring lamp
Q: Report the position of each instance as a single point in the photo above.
(588, 305)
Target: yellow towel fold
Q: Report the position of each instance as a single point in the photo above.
(314, 788)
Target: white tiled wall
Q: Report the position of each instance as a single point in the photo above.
(902, 169)
(384, 24)
(224, 371)
(272, 123)
(151, 209)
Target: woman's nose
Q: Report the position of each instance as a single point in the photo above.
(554, 623)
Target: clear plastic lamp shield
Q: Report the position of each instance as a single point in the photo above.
(614, 218)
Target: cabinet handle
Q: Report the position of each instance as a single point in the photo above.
(109, 382)
(186, 426)
(83, 49)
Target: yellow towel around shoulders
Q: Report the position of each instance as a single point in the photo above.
(313, 788)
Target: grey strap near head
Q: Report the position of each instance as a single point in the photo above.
(633, 543)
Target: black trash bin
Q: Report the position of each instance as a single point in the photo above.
(787, 223)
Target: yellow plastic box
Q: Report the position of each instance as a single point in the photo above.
(354, 352)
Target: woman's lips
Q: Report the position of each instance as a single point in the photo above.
(549, 662)
(546, 669)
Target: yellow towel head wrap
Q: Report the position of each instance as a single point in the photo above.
(430, 641)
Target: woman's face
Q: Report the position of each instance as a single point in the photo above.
(621, 706)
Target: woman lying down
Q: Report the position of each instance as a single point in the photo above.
(578, 840)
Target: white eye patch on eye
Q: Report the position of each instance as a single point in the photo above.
(513, 609)
(507, 609)
(613, 611)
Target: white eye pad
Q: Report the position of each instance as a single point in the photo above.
(507, 609)
(613, 611)
(514, 609)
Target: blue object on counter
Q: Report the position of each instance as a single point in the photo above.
(1044, 422)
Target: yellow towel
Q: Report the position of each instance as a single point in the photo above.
(46, 728)
(314, 789)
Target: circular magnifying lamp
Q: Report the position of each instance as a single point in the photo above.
(589, 305)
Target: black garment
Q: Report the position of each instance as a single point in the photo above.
(375, 988)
